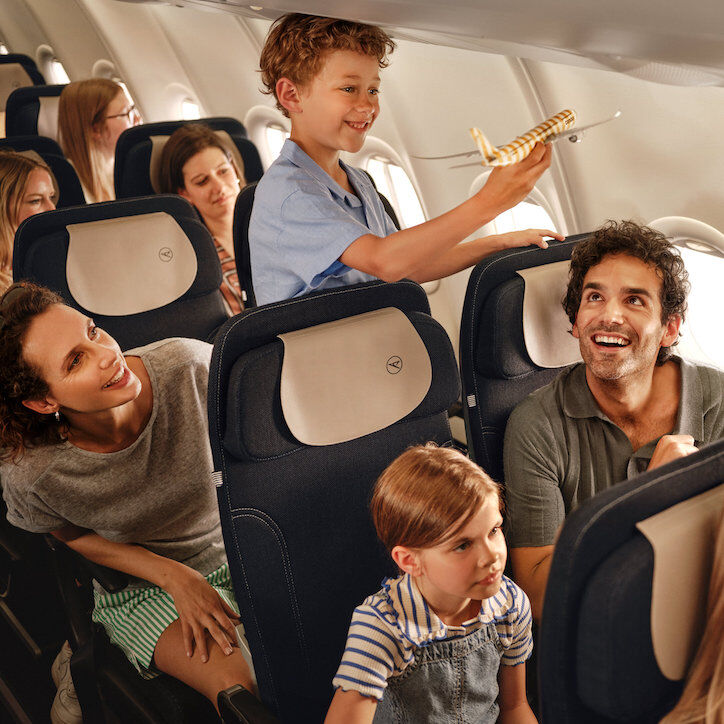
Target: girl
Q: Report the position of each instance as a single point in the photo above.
(428, 647)
(196, 165)
(27, 187)
(92, 114)
(109, 453)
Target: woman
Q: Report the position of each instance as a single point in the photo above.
(703, 699)
(27, 187)
(196, 164)
(92, 114)
(108, 453)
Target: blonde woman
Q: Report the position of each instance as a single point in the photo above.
(26, 188)
(92, 114)
(703, 699)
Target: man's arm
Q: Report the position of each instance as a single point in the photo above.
(400, 254)
(530, 570)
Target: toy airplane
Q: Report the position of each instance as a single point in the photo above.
(559, 126)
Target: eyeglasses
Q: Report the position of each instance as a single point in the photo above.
(127, 114)
(8, 299)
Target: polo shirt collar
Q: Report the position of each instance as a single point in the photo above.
(299, 158)
(579, 402)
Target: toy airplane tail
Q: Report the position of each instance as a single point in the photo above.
(518, 149)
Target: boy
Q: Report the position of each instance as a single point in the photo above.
(318, 223)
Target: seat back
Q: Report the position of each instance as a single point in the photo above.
(17, 71)
(70, 192)
(144, 269)
(496, 368)
(138, 153)
(242, 216)
(602, 645)
(301, 546)
(33, 111)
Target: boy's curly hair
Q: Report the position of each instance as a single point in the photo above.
(296, 45)
(640, 242)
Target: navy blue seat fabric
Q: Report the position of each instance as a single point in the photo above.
(495, 368)
(27, 63)
(242, 216)
(70, 192)
(23, 108)
(133, 153)
(596, 659)
(299, 538)
(40, 255)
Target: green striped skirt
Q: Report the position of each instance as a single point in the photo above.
(134, 619)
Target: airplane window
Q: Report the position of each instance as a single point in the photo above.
(701, 340)
(57, 72)
(275, 135)
(526, 215)
(189, 110)
(4, 49)
(392, 181)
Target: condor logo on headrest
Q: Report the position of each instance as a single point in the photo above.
(394, 364)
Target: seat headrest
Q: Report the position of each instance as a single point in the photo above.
(12, 77)
(34, 111)
(337, 382)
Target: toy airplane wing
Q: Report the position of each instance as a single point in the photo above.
(556, 128)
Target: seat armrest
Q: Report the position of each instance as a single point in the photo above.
(237, 704)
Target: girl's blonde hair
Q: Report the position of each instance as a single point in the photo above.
(82, 107)
(703, 698)
(427, 495)
(15, 170)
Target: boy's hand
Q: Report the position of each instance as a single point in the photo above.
(526, 237)
(509, 185)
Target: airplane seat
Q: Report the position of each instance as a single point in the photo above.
(512, 315)
(242, 216)
(16, 71)
(138, 153)
(625, 603)
(70, 192)
(144, 269)
(309, 400)
(33, 111)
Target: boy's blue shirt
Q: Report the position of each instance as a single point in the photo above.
(301, 223)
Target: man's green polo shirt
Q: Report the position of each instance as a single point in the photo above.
(560, 449)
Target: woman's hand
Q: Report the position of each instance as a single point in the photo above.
(201, 610)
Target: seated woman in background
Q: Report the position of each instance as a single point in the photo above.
(197, 165)
(92, 114)
(110, 454)
(27, 187)
(703, 699)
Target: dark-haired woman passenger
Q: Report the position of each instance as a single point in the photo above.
(197, 165)
(108, 452)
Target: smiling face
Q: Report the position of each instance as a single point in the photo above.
(618, 324)
(82, 365)
(211, 184)
(469, 566)
(339, 105)
(39, 196)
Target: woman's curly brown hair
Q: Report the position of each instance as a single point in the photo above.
(640, 242)
(296, 45)
(21, 428)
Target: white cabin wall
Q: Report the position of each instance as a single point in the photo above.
(663, 157)
(20, 28)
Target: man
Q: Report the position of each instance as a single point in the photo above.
(630, 406)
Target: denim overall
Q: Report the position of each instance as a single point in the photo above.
(448, 682)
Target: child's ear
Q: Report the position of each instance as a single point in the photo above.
(407, 560)
(45, 406)
(289, 95)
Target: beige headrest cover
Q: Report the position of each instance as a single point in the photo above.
(48, 117)
(158, 142)
(683, 541)
(129, 265)
(12, 77)
(545, 324)
(349, 378)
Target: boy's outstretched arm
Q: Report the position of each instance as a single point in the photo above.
(350, 707)
(406, 252)
(513, 702)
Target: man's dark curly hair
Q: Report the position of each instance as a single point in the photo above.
(641, 242)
